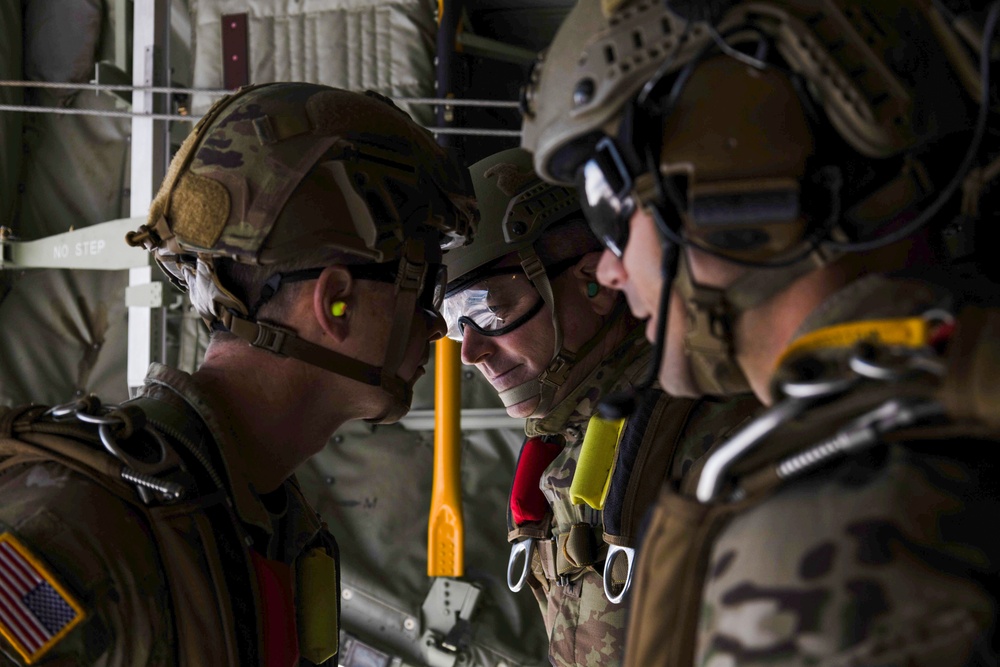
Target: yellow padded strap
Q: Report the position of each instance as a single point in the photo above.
(906, 332)
(597, 461)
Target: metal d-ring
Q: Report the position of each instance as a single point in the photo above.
(821, 388)
(873, 370)
(527, 547)
(713, 474)
(68, 409)
(103, 420)
(111, 444)
(613, 551)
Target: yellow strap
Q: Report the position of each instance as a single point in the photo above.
(597, 458)
(319, 634)
(906, 332)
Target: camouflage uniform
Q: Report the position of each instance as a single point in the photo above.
(119, 574)
(584, 627)
(884, 557)
(289, 178)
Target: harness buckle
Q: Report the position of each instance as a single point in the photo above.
(411, 275)
(527, 547)
(270, 337)
(613, 552)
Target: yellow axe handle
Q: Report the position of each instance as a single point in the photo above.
(445, 531)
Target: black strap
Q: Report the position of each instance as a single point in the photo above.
(628, 451)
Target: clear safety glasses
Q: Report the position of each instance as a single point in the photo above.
(501, 300)
(496, 305)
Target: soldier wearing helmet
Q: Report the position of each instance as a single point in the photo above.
(524, 301)
(781, 188)
(306, 224)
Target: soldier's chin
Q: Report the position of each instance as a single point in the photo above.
(393, 408)
(524, 409)
(393, 414)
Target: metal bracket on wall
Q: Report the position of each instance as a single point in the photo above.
(448, 610)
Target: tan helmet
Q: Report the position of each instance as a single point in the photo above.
(780, 136)
(311, 174)
(516, 210)
(851, 58)
(592, 68)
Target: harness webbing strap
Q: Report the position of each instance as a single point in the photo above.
(569, 554)
(648, 447)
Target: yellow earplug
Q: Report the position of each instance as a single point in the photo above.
(338, 308)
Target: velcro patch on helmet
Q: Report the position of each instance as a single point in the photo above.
(199, 209)
(36, 611)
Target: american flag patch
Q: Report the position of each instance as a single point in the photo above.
(35, 610)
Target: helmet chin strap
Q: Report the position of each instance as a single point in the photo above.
(548, 382)
(552, 378)
(712, 314)
(409, 281)
(284, 342)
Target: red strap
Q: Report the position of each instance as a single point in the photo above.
(527, 502)
(281, 637)
(941, 335)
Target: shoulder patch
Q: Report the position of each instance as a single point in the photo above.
(36, 611)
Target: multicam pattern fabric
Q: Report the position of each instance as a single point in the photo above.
(104, 553)
(234, 174)
(584, 627)
(887, 557)
(114, 572)
(874, 563)
(711, 422)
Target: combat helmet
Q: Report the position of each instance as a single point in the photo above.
(516, 209)
(777, 135)
(305, 173)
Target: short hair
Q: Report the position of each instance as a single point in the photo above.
(566, 239)
(246, 282)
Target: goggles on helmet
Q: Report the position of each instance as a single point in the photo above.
(430, 298)
(501, 300)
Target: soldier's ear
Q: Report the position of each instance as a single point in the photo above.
(333, 301)
(600, 298)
